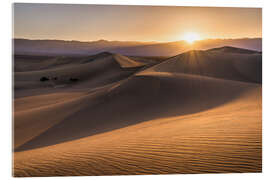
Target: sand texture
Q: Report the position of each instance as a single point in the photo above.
(109, 114)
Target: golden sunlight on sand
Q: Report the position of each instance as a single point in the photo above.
(197, 112)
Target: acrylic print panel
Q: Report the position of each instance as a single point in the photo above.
(126, 90)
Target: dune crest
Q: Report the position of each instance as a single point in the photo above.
(228, 64)
(197, 112)
(126, 62)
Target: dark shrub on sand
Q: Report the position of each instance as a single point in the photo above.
(44, 79)
(73, 79)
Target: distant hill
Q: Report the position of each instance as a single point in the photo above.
(60, 47)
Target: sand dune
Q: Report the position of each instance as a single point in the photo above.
(139, 99)
(126, 62)
(32, 114)
(198, 112)
(229, 49)
(97, 70)
(226, 138)
(226, 63)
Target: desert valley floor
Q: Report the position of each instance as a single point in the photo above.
(109, 114)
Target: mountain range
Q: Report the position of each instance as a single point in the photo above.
(131, 48)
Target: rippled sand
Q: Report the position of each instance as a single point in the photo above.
(153, 122)
(224, 139)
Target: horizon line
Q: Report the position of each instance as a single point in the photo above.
(88, 41)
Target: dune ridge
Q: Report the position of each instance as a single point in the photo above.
(197, 112)
(191, 143)
(104, 69)
(142, 94)
(230, 65)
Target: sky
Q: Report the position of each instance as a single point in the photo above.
(133, 23)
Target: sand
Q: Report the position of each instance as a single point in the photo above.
(164, 119)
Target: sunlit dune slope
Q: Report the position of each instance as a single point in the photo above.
(201, 125)
(32, 114)
(226, 63)
(126, 62)
(138, 99)
(32, 111)
(198, 112)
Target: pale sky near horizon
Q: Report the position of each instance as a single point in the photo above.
(133, 23)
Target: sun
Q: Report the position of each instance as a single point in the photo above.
(190, 37)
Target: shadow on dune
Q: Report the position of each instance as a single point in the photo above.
(140, 98)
